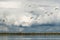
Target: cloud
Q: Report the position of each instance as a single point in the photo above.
(10, 4)
(29, 13)
(2, 28)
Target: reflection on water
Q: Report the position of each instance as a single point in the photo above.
(15, 37)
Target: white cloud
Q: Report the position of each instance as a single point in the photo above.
(30, 13)
(10, 4)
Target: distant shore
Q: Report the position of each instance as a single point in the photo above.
(23, 34)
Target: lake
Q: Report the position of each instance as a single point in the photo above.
(42, 37)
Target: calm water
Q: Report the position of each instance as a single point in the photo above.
(51, 37)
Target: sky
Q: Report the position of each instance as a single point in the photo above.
(9, 4)
(29, 12)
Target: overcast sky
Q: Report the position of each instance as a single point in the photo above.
(29, 12)
(19, 3)
(29, 8)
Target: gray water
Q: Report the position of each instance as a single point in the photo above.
(13, 37)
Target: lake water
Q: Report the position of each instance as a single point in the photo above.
(42, 37)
